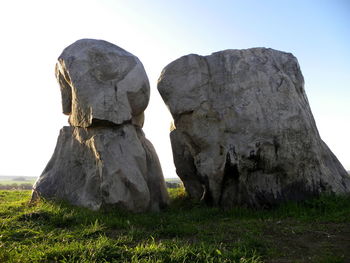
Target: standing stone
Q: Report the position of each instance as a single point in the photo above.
(103, 158)
(245, 134)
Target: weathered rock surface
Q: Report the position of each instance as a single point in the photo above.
(101, 82)
(103, 158)
(101, 166)
(245, 134)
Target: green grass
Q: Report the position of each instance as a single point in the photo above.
(313, 231)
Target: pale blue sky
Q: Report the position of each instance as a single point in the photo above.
(33, 34)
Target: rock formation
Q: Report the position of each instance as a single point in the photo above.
(245, 134)
(103, 158)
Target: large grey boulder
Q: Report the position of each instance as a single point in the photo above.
(245, 134)
(103, 158)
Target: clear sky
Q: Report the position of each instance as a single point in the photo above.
(34, 33)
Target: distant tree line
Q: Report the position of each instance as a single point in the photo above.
(15, 186)
(29, 186)
(173, 184)
(21, 178)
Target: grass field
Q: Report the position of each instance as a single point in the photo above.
(315, 231)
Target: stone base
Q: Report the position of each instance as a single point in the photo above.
(98, 167)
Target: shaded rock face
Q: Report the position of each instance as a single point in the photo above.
(103, 158)
(245, 134)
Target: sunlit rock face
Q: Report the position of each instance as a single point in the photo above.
(103, 159)
(245, 134)
(101, 82)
